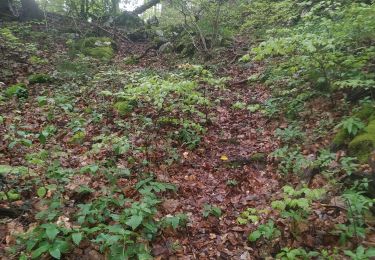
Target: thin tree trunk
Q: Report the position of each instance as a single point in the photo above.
(5, 10)
(30, 10)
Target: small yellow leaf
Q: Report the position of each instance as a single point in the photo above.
(224, 158)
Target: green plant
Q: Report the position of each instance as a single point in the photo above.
(239, 105)
(48, 131)
(296, 253)
(211, 210)
(189, 134)
(291, 160)
(267, 231)
(19, 90)
(352, 125)
(123, 107)
(48, 238)
(349, 165)
(232, 182)
(296, 204)
(175, 222)
(39, 78)
(149, 185)
(248, 215)
(291, 133)
(17, 137)
(361, 253)
(253, 108)
(271, 107)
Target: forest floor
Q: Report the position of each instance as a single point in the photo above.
(229, 171)
(225, 153)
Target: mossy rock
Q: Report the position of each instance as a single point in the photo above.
(342, 138)
(365, 112)
(363, 144)
(96, 47)
(18, 90)
(39, 78)
(123, 107)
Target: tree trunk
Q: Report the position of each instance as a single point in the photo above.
(30, 10)
(5, 11)
(115, 7)
(145, 6)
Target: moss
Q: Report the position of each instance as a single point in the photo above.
(341, 138)
(103, 53)
(18, 90)
(39, 78)
(363, 144)
(123, 107)
(96, 47)
(365, 112)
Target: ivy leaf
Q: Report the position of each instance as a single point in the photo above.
(134, 221)
(77, 237)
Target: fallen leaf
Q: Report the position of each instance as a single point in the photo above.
(224, 158)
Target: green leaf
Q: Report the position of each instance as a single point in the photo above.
(42, 191)
(349, 253)
(62, 245)
(55, 253)
(42, 138)
(254, 236)
(134, 221)
(40, 250)
(370, 252)
(22, 257)
(77, 237)
(5, 169)
(51, 231)
(144, 256)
